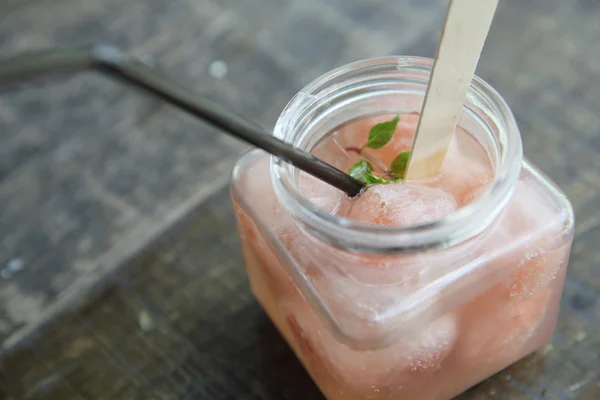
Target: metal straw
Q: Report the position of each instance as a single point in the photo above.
(114, 63)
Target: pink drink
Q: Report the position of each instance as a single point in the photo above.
(370, 321)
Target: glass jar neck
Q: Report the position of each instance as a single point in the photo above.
(385, 86)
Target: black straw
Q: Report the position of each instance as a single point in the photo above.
(112, 62)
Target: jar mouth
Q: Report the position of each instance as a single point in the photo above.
(332, 92)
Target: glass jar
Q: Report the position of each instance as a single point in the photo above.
(420, 312)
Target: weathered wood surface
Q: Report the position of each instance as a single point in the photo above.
(90, 172)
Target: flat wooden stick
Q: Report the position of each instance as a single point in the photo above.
(464, 34)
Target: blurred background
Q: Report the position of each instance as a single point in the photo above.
(121, 275)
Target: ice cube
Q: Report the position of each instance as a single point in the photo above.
(334, 151)
(402, 204)
(503, 320)
(345, 281)
(530, 212)
(407, 362)
(304, 252)
(528, 223)
(320, 193)
(466, 170)
(497, 325)
(430, 346)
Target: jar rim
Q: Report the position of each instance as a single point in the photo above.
(454, 228)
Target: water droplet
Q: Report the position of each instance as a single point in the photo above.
(218, 69)
(145, 321)
(579, 336)
(15, 265)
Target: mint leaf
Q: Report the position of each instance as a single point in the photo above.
(382, 133)
(360, 169)
(372, 179)
(398, 166)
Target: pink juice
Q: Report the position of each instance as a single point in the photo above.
(404, 323)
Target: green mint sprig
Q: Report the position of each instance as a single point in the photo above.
(372, 179)
(380, 135)
(398, 166)
(363, 171)
(360, 169)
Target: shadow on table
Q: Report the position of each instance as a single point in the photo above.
(247, 358)
(281, 374)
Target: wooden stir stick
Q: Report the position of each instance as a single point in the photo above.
(465, 30)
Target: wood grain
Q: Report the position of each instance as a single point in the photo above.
(465, 30)
(81, 174)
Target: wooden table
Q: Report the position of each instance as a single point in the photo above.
(126, 279)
